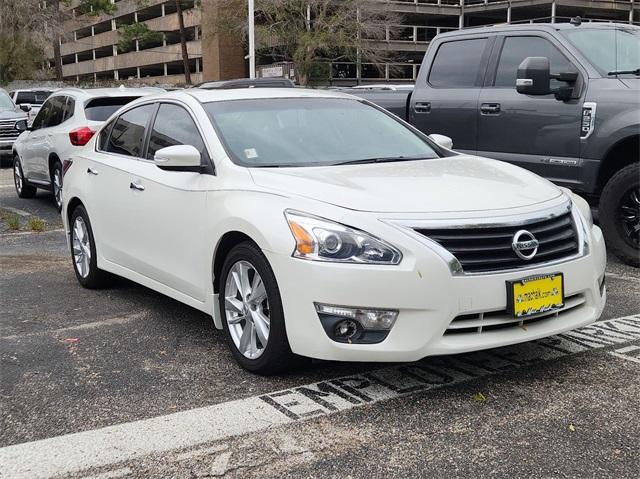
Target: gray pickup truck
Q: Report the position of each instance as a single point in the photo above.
(562, 100)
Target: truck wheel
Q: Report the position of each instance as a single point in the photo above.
(619, 214)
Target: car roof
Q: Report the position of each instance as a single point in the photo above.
(109, 92)
(536, 26)
(205, 96)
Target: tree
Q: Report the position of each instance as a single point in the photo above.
(22, 38)
(183, 43)
(311, 32)
(136, 32)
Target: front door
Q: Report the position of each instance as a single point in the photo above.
(538, 133)
(167, 209)
(447, 103)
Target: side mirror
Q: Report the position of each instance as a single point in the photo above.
(177, 156)
(534, 76)
(25, 107)
(441, 140)
(21, 125)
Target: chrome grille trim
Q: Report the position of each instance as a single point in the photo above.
(409, 227)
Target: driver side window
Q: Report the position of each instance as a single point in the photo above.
(516, 49)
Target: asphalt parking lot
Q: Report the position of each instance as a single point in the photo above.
(125, 382)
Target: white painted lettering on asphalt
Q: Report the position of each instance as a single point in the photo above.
(82, 451)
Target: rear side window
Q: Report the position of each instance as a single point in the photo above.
(516, 49)
(127, 134)
(99, 109)
(174, 126)
(104, 136)
(457, 63)
(69, 108)
(56, 115)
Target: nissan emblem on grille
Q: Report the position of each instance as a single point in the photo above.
(524, 244)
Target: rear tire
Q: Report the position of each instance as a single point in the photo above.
(261, 298)
(56, 184)
(23, 189)
(619, 214)
(83, 251)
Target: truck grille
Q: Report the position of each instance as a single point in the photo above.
(8, 130)
(485, 249)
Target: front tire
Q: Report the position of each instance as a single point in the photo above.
(252, 314)
(619, 214)
(23, 189)
(56, 184)
(83, 251)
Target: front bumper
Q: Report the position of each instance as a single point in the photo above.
(428, 297)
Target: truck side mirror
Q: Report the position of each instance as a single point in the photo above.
(26, 107)
(534, 76)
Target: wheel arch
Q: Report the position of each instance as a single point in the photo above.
(226, 243)
(53, 157)
(72, 204)
(623, 153)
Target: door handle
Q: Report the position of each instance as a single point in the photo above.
(422, 107)
(91, 171)
(136, 186)
(490, 108)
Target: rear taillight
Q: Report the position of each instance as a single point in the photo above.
(81, 136)
(66, 164)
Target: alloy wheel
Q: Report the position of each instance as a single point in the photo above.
(81, 247)
(629, 212)
(17, 176)
(247, 309)
(57, 186)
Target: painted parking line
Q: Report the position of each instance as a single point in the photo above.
(111, 445)
(629, 353)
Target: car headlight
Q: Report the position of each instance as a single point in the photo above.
(584, 208)
(319, 239)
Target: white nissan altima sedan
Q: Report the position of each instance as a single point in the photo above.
(315, 224)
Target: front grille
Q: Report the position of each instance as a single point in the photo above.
(484, 249)
(8, 130)
(494, 320)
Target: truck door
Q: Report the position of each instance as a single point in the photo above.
(445, 99)
(538, 133)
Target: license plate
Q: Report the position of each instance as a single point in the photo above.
(535, 294)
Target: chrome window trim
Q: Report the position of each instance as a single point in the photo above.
(409, 227)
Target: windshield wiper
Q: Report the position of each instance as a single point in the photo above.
(387, 159)
(625, 72)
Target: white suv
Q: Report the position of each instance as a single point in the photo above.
(65, 123)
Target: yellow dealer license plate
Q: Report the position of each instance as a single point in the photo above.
(535, 294)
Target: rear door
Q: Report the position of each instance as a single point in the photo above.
(112, 208)
(445, 99)
(539, 133)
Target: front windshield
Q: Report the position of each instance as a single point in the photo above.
(610, 50)
(5, 101)
(312, 132)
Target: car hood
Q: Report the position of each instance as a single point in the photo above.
(11, 113)
(453, 184)
(631, 83)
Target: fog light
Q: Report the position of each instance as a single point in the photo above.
(346, 329)
(368, 318)
(345, 324)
